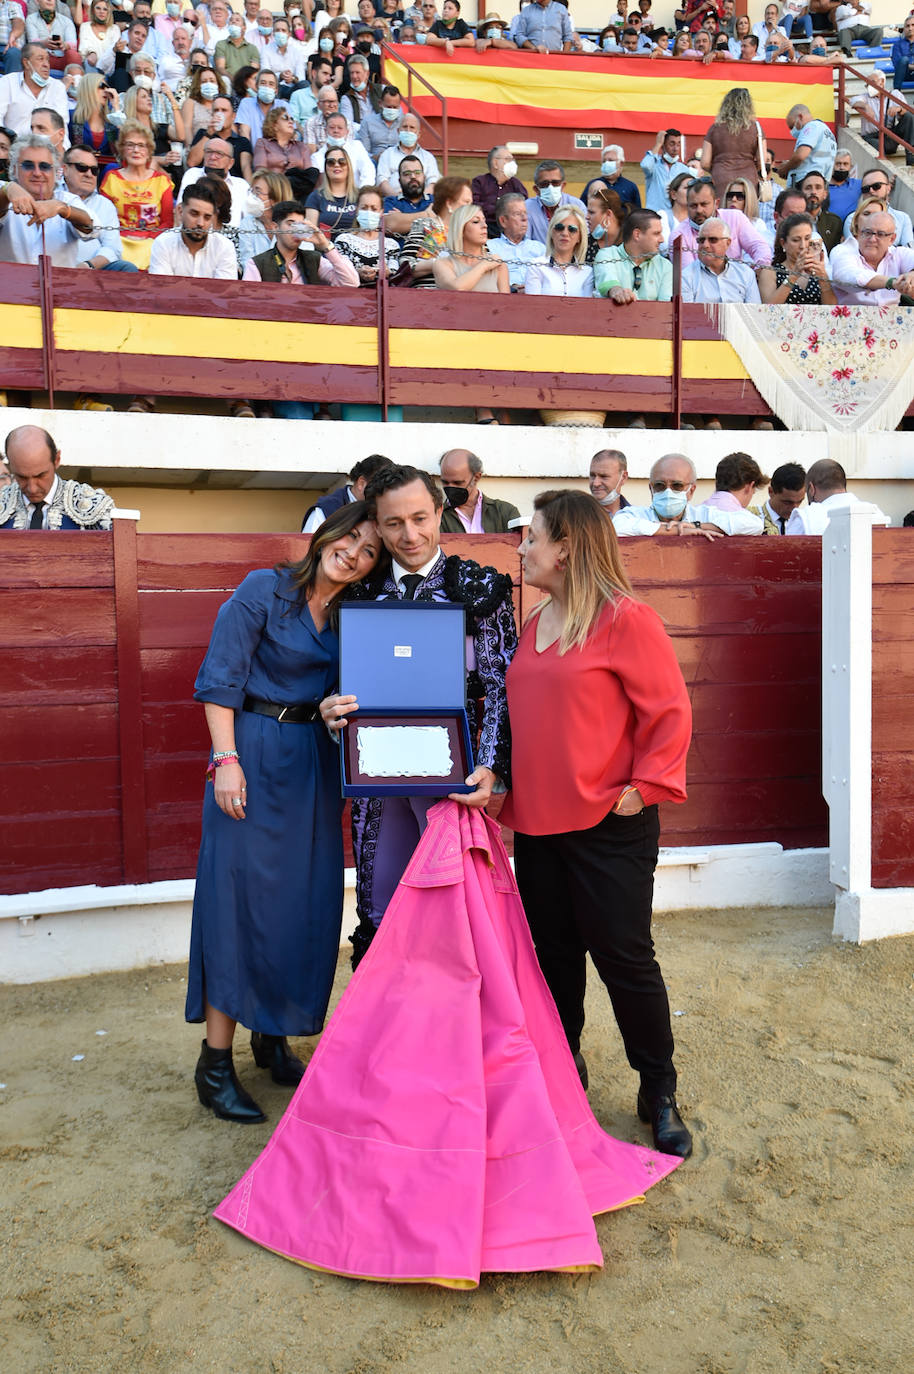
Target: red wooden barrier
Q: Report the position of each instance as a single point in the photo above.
(106, 749)
(893, 708)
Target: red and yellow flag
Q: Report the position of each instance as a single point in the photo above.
(570, 92)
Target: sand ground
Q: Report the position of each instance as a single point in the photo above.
(784, 1245)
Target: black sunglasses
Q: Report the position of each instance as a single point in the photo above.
(28, 165)
(566, 228)
(636, 277)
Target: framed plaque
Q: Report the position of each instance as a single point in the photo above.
(405, 662)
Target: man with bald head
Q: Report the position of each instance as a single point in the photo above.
(38, 498)
(218, 158)
(671, 512)
(478, 514)
(826, 492)
(871, 269)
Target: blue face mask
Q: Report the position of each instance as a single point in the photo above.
(669, 504)
(409, 138)
(326, 44)
(266, 95)
(39, 80)
(550, 195)
(420, 37)
(265, 29)
(335, 142)
(391, 116)
(368, 219)
(609, 168)
(598, 233)
(796, 131)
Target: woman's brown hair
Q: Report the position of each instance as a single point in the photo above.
(303, 574)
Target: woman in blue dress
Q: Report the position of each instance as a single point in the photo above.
(269, 895)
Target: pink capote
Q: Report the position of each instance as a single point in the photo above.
(441, 1129)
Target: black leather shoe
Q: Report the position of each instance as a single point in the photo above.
(671, 1135)
(218, 1087)
(581, 1065)
(272, 1052)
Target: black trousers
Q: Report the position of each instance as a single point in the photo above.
(591, 892)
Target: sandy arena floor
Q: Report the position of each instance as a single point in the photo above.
(784, 1245)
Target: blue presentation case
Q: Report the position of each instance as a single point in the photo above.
(405, 662)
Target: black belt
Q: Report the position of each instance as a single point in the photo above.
(287, 715)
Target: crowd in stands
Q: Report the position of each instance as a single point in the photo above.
(238, 143)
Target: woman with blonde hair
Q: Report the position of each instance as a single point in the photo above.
(866, 207)
(332, 205)
(143, 195)
(467, 264)
(563, 272)
(97, 119)
(734, 145)
(742, 195)
(596, 667)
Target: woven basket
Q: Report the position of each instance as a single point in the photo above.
(576, 419)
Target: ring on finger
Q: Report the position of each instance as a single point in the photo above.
(236, 801)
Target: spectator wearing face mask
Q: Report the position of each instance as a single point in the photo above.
(815, 146)
(218, 156)
(659, 165)
(232, 53)
(301, 254)
(549, 185)
(254, 109)
(407, 145)
(611, 167)
(37, 217)
(844, 187)
(22, 92)
(362, 243)
(492, 32)
(339, 136)
(608, 475)
(500, 179)
(222, 125)
(380, 129)
(284, 55)
(671, 512)
(355, 95)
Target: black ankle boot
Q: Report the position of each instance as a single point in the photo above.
(218, 1087)
(272, 1052)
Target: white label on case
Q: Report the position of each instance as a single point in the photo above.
(403, 651)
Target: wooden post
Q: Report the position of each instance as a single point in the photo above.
(46, 298)
(676, 307)
(130, 703)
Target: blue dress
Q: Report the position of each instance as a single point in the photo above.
(268, 904)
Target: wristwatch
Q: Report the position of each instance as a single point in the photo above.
(890, 283)
(697, 524)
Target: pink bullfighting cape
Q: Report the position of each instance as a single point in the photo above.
(441, 1130)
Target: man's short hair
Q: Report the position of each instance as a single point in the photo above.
(410, 157)
(9, 133)
(21, 145)
(548, 164)
(281, 212)
(396, 475)
(198, 191)
(752, 40)
(367, 467)
(908, 522)
(57, 121)
(504, 202)
(805, 177)
(30, 50)
(390, 90)
(788, 477)
(615, 454)
(734, 471)
(783, 197)
(827, 475)
(638, 220)
(491, 153)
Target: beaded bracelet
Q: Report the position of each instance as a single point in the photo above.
(225, 754)
(218, 760)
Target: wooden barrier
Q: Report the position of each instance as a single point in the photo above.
(106, 753)
(893, 709)
(69, 330)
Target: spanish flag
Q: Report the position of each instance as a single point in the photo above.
(565, 92)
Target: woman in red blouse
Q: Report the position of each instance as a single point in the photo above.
(600, 727)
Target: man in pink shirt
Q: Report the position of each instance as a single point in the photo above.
(745, 239)
(291, 259)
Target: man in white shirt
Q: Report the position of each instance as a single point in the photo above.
(870, 269)
(513, 246)
(260, 33)
(80, 173)
(406, 146)
(847, 22)
(195, 249)
(218, 157)
(35, 216)
(21, 92)
(338, 136)
(672, 483)
(826, 489)
(284, 55)
(876, 182)
(714, 276)
(210, 33)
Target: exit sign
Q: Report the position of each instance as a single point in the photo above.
(584, 141)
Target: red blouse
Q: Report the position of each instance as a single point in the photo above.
(588, 723)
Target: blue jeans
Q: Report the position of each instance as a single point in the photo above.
(119, 265)
(802, 21)
(11, 61)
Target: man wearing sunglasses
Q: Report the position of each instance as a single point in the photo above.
(37, 218)
(880, 184)
(549, 184)
(671, 512)
(635, 270)
(80, 174)
(715, 277)
(745, 240)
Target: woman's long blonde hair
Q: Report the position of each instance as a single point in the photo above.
(562, 215)
(872, 204)
(594, 574)
(750, 204)
(736, 110)
(351, 188)
(87, 101)
(457, 224)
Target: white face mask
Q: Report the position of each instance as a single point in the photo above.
(510, 169)
(143, 82)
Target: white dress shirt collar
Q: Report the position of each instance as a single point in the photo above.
(398, 572)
